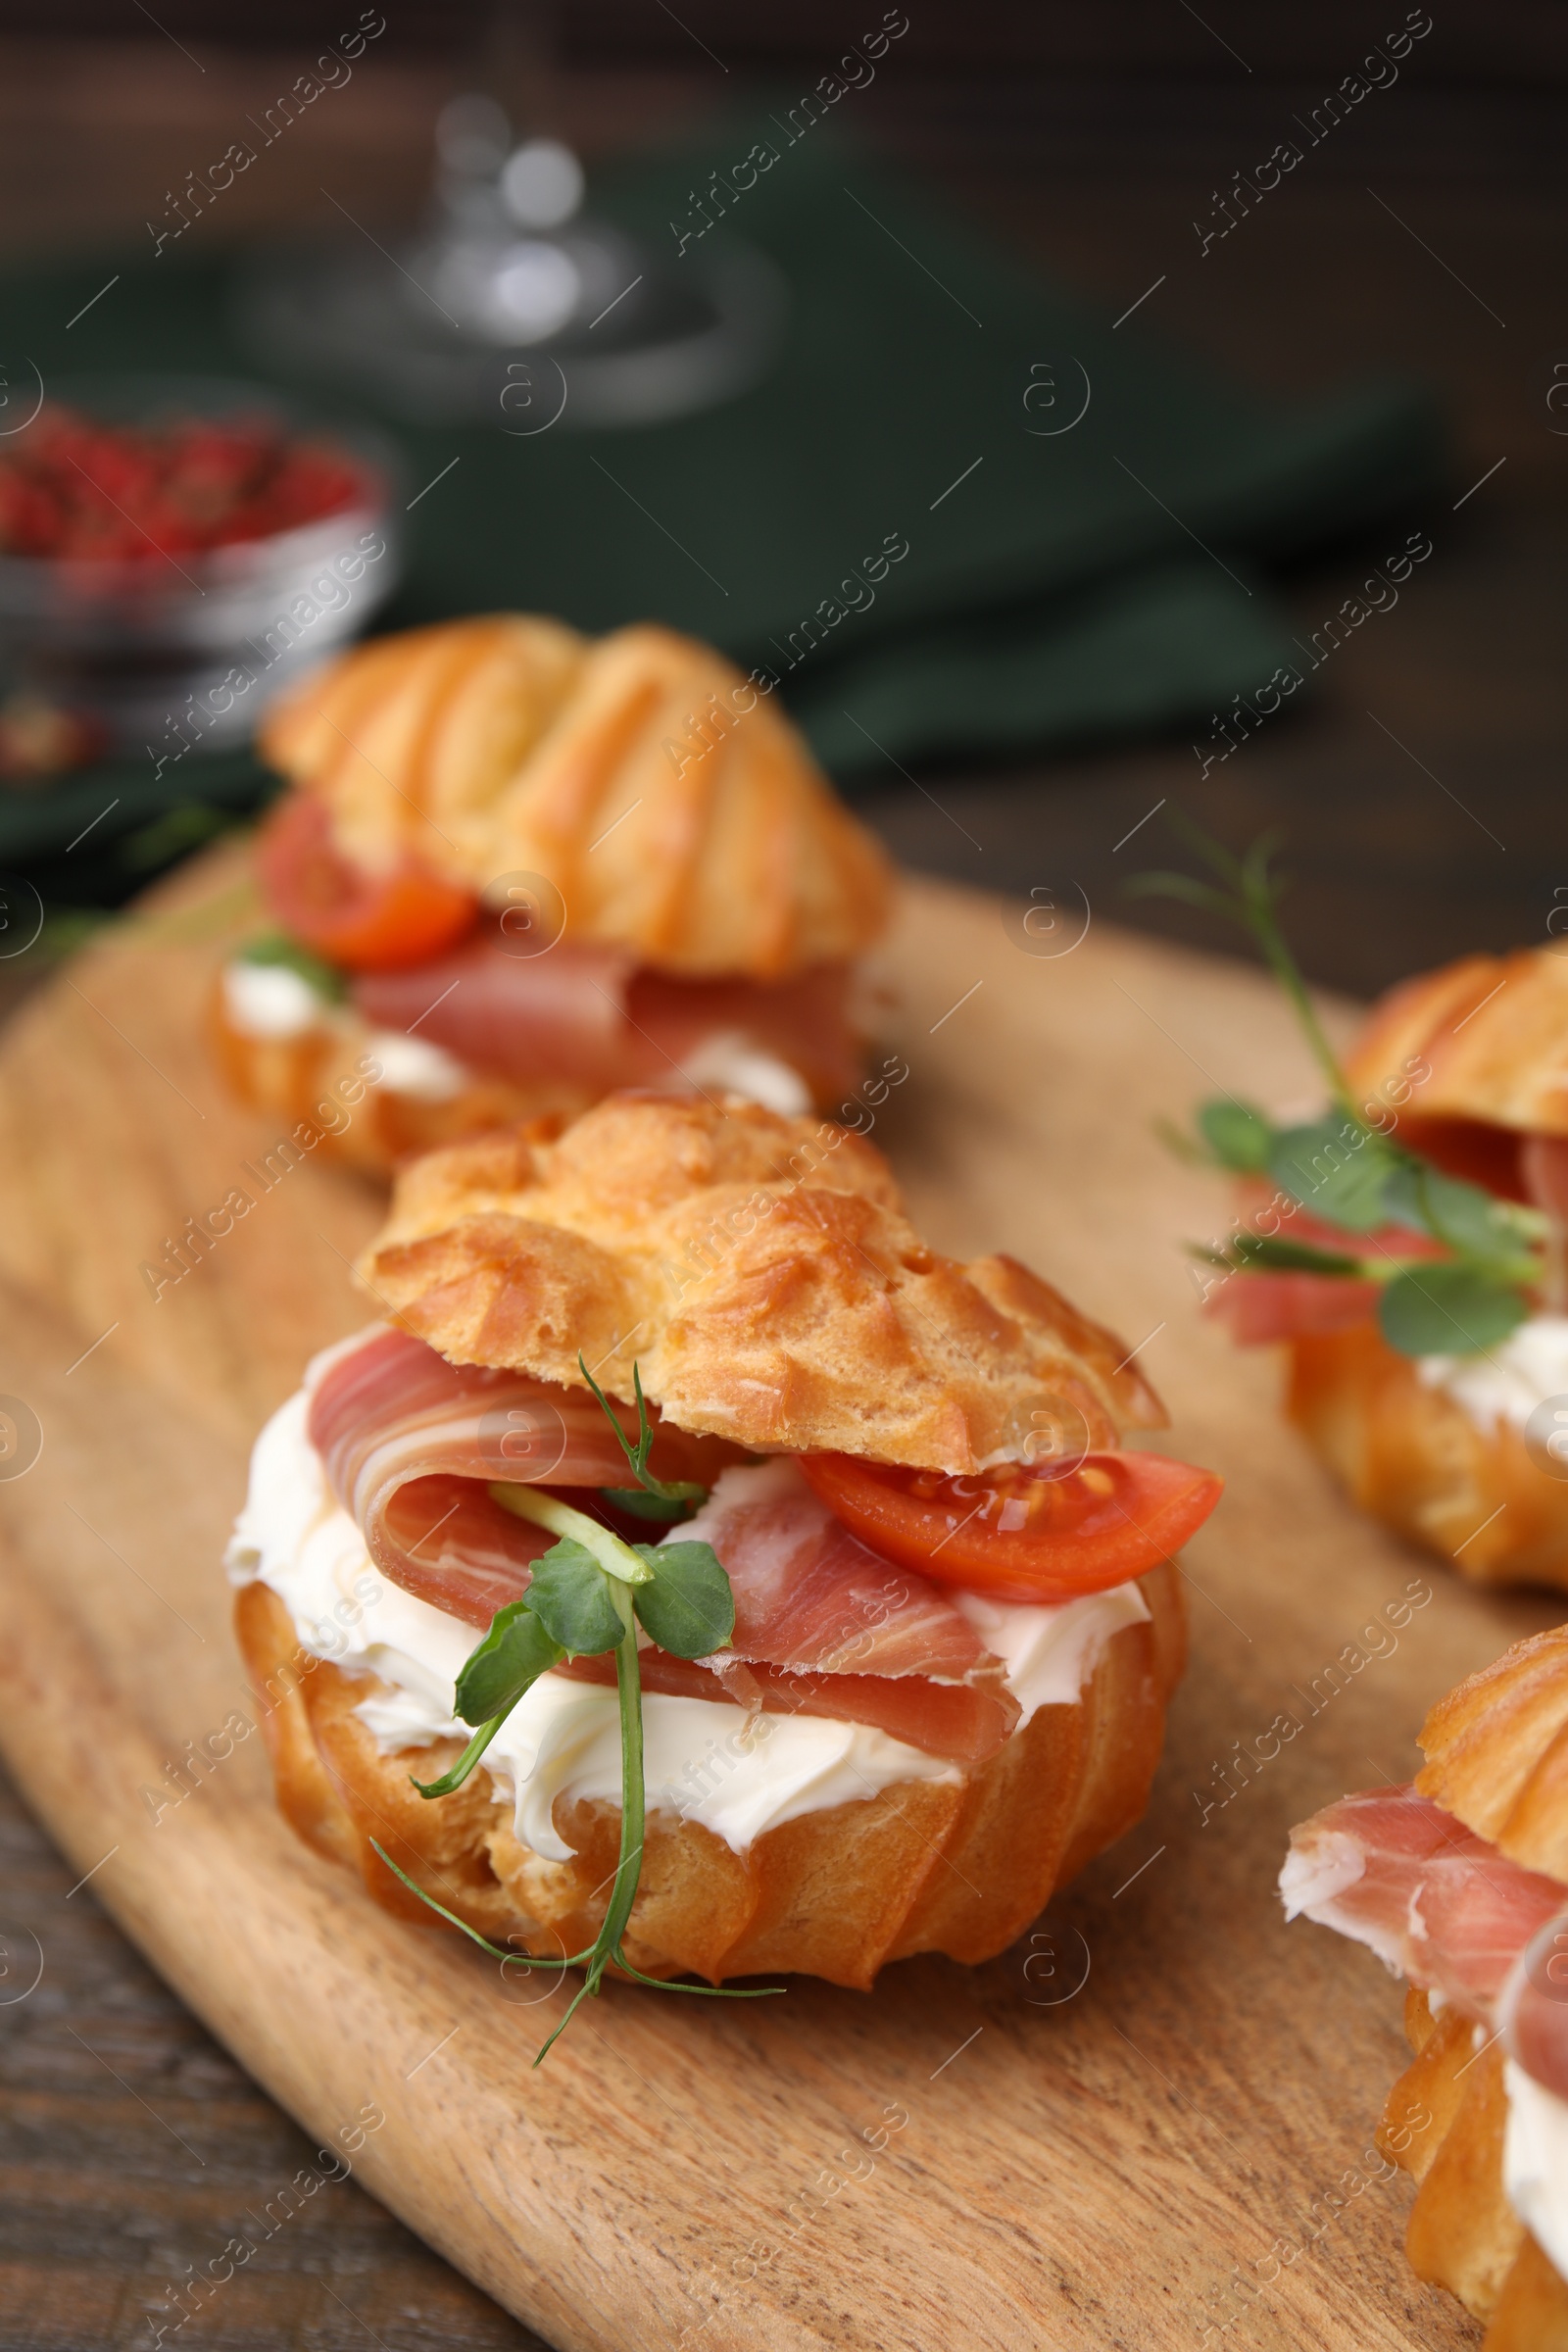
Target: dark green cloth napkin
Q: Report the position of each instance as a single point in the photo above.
(1098, 581)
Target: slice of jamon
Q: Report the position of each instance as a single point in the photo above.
(804, 1021)
(826, 1626)
(1395, 1871)
(1263, 1304)
(1544, 1170)
(1534, 2008)
(589, 1015)
(561, 1014)
(823, 1626)
(811, 1597)
(411, 1444)
(1474, 1151)
(965, 1722)
(1258, 1307)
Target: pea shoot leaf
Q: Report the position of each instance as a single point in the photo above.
(1239, 1136)
(1467, 1218)
(569, 1594)
(638, 1503)
(688, 1609)
(515, 1651)
(1449, 1309)
(1337, 1170)
(1404, 1197)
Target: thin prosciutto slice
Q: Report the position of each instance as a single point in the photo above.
(1258, 1307)
(561, 1014)
(411, 1444)
(590, 1015)
(1544, 1171)
(823, 1626)
(1534, 2008)
(1261, 1304)
(1445, 1907)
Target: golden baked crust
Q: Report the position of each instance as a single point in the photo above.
(412, 737)
(961, 1868)
(509, 745)
(1496, 1750)
(762, 1274)
(1443, 2123)
(1415, 1460)
(1494, 1031)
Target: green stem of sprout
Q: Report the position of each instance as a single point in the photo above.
(613, 1556)
(681, 1579)
(1248, 894)
(633, 1813)
(1257, 904)
(454, 1780)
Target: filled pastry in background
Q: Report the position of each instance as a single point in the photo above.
(519, 868)
(1460, 1883)
(1408, 1244)
(952, 1623)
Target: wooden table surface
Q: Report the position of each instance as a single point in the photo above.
(99, 2196)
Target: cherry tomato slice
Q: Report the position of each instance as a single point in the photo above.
(367, 922)
(1022, 1531)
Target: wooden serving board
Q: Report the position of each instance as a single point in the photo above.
(1130, 2156)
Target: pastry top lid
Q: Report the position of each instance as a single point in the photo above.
(661, 794)
(1493, 1030)
(761, 1272)
(1497, 1752)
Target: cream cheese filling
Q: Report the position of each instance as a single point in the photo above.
(735, 1064)
(272, 1001)
(1511, 1380)
(706, 1760)
(1534, 2163)
(412, 1066)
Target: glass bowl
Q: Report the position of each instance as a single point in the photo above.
(169, 651)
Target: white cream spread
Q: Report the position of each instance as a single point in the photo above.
(270, 1001)
(412, 1066)
(1051, 1651)
(1511, 1379)
(735, 1064)
(705, 1759)
(1534, 2163)
(274, 1003)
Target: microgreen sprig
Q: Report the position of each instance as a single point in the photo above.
(588, 1595)
(1247, 893)
(650, 1497)
(1346, 1168)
